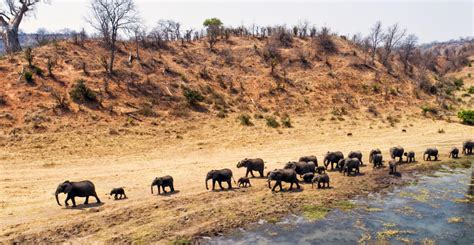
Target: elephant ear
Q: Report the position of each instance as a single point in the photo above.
(68, 187)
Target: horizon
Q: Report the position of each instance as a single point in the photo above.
(441, 20)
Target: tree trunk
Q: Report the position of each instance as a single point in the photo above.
(112, 58)
(11, 41)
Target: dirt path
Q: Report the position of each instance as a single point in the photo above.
(33, 167)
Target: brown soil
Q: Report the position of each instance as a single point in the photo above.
(32, 165)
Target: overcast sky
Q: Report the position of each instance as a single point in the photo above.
(435, 20)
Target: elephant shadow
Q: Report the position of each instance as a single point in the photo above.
(355, 175)
(225, 189)
(291, 191)
(169, 193)
(397, 175)
(85, 206)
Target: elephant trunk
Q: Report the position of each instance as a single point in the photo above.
(152, 189)
(207, 188)
(57, 200)
(269, 186)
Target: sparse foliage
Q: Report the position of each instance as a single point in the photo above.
(245, 120)
(467, 116)
(80, 93)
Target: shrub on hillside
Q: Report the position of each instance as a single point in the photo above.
(28, 76)
(467, 116)
(458, 82)
(325, 42)
(286, 121)
(3, 100)
(425, 109)
(471, 90)
(193, 97)
(245, 120)
(80, 93)
(272, 122)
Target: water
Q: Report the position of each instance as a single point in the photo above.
(437, 208)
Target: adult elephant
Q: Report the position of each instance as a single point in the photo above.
(467, 147)
(285, 175)
(348, 164)
(377, 160)
(372, 153)
(255, 164)
(301, 167)
(162, 182)
(356, 154)
(397, 151)
(311, 158)
(76, 189)
(431, 152)
(332, 158)
(221, 175)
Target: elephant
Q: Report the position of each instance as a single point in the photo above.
(244, 181)
(431, 152)
(377, 160)
(163, 182)
(252, 165)
(467, 147)
(320, 169)
(356, 154)
(454, 153)
(321, 179)
(307, 177)
(76, 189)
(350, 164)
(410, 156)
(221, 175)
(311, 158)
(331, 158)
(301, 167)
(372, 153)
(118, 193)
(393, 167)
(397, 151)
(286, 175)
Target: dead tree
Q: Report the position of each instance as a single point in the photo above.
(375, 37)
(391, 40)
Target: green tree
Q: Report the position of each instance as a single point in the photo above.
(213, 29)
(212, 22)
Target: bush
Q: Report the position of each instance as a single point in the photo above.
(286, 122)
(471, 90)
(29, 56)
(147, 111)
(245, 120)
(193, 97)
(80, 93)
(28, 76)
(425, 109)
(272, 122)
(458, 82)
(467, 116)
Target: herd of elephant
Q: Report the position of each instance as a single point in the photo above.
(306, 168)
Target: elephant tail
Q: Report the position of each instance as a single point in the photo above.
(233, 179)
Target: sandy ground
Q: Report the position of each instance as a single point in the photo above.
(33, 165)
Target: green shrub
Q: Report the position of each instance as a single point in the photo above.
(272, 122)
(467, 116)
(458, 82)
(425, 109)
(28, 76)
(471, 90)
(245, 120)
(38, 71)
(376, 88)
(80, 93)
(193, 97)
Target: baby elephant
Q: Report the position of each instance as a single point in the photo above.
(321, 179)
(243, 182)
(308, 177)
(377, 159)
(454, 153)
(119, 193)
(410, 156)
(162, 182)
(393, 167)
(321, 170)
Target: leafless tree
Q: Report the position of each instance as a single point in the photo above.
(11, 16)
(137, 33)
(375, 37)
(109, 17)
(391, 39)
(406, 50)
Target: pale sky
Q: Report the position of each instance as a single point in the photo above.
(435, 20)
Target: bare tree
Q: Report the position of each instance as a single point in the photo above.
(391, 39)
(109, 17)
(375, 37)
(407, 48)
(137, 33)
(11, 16)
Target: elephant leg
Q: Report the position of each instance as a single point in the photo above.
(291, 186)
(276, 183)
(297, 185)
(116, 196)
(67, 200)
(229, 183)
(159, 191)
(73, 202)
(172, 188)
(247, 173)
(220, 185)
(281, 187)
(87, 200)
(164, 191)
(251, 173)
(436, 158)
(319, 185)
(261, 173)
(213, 184)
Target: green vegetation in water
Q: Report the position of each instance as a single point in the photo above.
(385, 234)
(369, 209)
(181, 241)
(272, 220)
(344, 205)
(315, 212)
(421, 196)
(466, 163)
